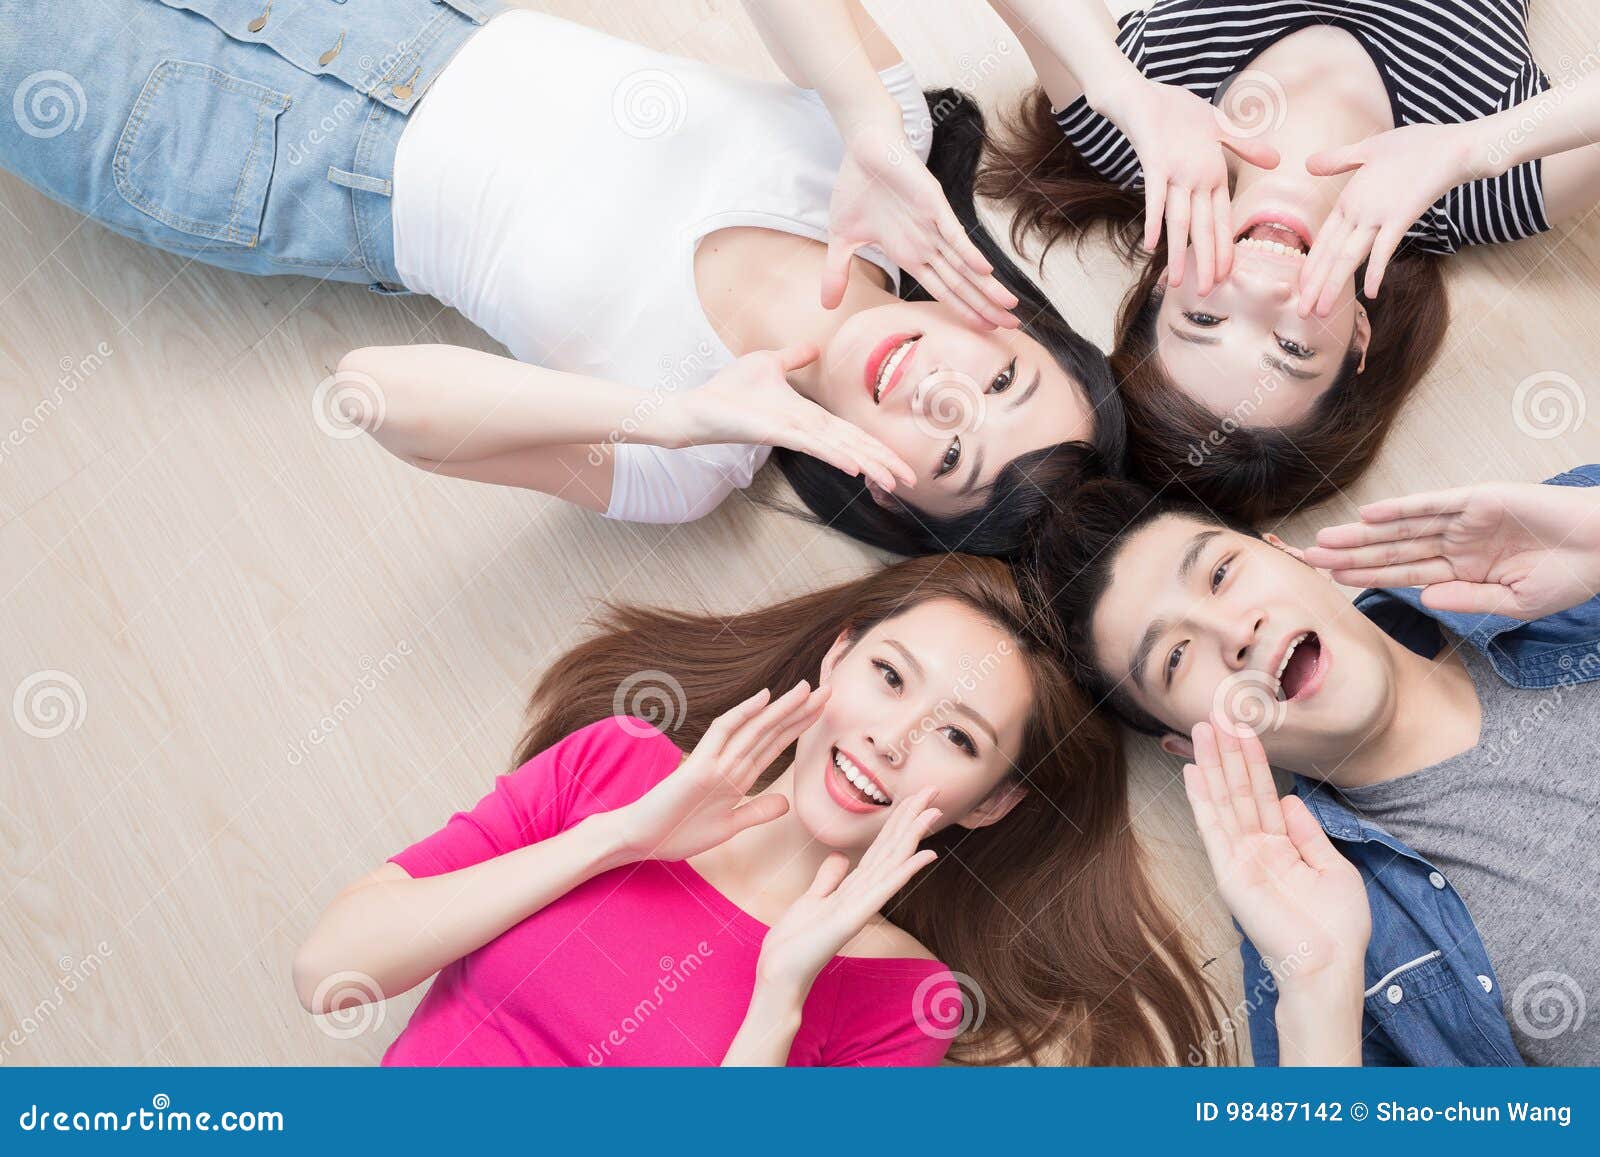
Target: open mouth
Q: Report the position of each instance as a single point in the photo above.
(887, 365)
(1301, 670)
(852, 788)
(1276, 235)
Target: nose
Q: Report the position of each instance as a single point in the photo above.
(1237, 629)
(889, 752)
(1271, 282)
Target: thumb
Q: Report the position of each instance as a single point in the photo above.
(836, 270)
(830, 875)
(1332, 161)
(1307, 835)
(1469, 598)
(794, 357)
(762, 810)
(1257, 153)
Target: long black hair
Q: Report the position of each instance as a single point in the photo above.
(1030, 484)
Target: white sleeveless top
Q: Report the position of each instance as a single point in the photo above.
(553, 185)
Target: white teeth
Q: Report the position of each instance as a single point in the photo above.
(890, 364)
(858, 778)
(1287, 655)
(1269, 246)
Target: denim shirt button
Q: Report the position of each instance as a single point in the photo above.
(1394, 994)
(1488, 985)
(1436, 880)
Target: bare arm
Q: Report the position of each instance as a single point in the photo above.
(1073, 47)
(1562, 125)
(835, 47)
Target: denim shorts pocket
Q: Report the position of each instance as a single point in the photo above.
(198, 149)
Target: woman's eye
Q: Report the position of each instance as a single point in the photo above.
(952, 457)
(1295, 350)
(1002, 380)
(1218, 575)
(1174, 657)
(890, 675)
(962, 740)
(1203, 320)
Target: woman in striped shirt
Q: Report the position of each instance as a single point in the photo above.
(1283, 144)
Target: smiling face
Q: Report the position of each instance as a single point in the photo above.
(958, 405)
(1196, 616)
(937, 696)
(1243, 349)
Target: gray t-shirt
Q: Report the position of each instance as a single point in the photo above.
(1510, 824)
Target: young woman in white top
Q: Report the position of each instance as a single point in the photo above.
(660, 225)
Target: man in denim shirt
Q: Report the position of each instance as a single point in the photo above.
(1481, 753)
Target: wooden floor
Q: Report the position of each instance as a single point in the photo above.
(274, 656)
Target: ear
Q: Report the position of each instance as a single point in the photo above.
(880, 495)
(1361, 338)
(995, 806)
(1180, 745)
(1293, 552)
(835, 653)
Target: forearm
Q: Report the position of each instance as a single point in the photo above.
(818, 45)
(769, 1027)
(1082, 36)
(1555, 121)
(449, 404)
(1319, 1019)
(400, 931)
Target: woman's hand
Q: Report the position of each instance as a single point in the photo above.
(840, 901)
(1296, 897)
(1180, 141)
(885, 196)
(1399, 174)
(752, 401)
(703, 803)
(1503, 548)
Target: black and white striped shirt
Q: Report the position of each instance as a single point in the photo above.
(1442, 61)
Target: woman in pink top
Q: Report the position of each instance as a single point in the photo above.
(768, 898)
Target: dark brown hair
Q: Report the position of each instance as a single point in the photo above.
(1254, 472)
(1049, 910)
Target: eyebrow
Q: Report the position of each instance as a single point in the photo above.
(1284, 367)
(1192, 337)
(1027, 393)
(916, 668)
(976, 473)
(1186, 565)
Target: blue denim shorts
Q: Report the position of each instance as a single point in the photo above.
(256, 135)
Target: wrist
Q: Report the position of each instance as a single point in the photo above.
(777, 1000)
(609, 835)
(869, 116)
(1482, 150)
(1112, 91)
(1319, 1020)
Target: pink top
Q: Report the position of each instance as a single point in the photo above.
(646, 964)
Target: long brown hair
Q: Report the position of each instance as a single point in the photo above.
(1253, 472)
(1049, 910)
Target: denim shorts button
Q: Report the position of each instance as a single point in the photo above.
(1436, 880)
(1394, 994)
(1488, 985)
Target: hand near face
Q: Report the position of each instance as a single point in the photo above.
(1399, 174)
(841, 901)
(1180, 141)
(885, 196)
(703, 803)
(752, 401)
(1513, 549)
(1296, 897)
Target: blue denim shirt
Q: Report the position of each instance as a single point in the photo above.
(1431, 997)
